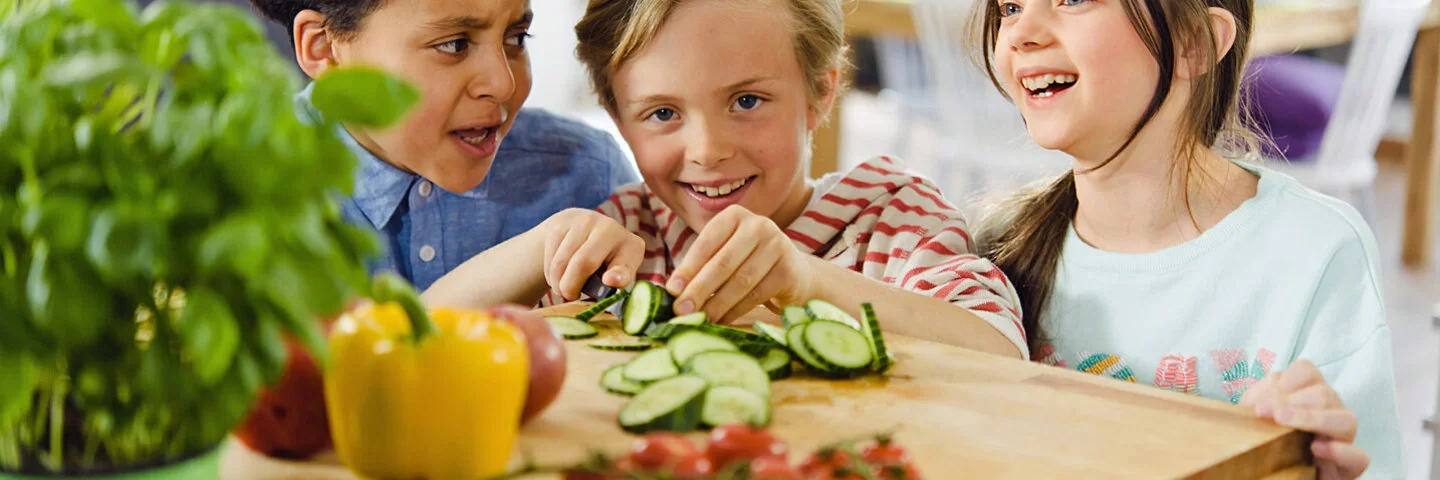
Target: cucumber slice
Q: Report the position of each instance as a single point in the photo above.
(651, 366)
(795, 337)
(772, 332)
(687, 345)
(776, 363)
(647, 304)
(622, 345)
(613, 381)
(697, 318)
(838, 347)
(669, 405)
(822, 310)
(732, 369)
(730, 405)
(602, 305)
(881, 354)
(571, 329)
(794, 315)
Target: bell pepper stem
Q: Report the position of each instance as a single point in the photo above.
(389, 287)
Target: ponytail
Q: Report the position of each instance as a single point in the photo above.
(1029, 236)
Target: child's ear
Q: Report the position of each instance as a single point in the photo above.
(314, 46)
(1194, 62)
(826, 103)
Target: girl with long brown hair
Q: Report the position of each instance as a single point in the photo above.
(1162, 250)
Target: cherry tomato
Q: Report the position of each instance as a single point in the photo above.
(897, 471)
(824, 462)
(657, 450)
(836, 473)
(694, 467)
(772, 468)
(732, 443)
(884, 452)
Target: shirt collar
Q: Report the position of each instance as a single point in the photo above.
(379, 186)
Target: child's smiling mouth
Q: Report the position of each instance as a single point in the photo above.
(1046, 85)
(714, 196)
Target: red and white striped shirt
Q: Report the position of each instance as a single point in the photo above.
(880, 219)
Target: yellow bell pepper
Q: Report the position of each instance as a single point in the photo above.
(412, 397)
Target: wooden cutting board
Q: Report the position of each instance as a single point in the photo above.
(960, 413)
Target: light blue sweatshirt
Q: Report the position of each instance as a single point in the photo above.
(1289, 275)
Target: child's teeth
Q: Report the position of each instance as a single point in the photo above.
(475, 140)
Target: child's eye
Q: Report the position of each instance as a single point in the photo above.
(1071, 3)
(663, 115)
(1007, 9)
(454, 47)
(748, 102)
(518, 40)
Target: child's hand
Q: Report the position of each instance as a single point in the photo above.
(1300, 398)
(739, 261)
(578, 242)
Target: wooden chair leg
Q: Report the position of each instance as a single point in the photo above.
(1419, 233)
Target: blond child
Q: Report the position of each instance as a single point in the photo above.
(719, 100)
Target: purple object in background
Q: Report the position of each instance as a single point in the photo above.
(1291, 98)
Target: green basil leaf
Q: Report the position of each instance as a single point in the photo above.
(66, 301)
(271, 346)
(112, 14)
(238, 243)
(210, 334)
(363, 96)
(90, 69)
(61, 218)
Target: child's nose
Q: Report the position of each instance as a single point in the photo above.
(492, 77)
(708, 144)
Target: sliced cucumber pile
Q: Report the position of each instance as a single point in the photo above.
(707, 375)
(725, 405)
(697, 318)
(651, 366)
(730, 369)
(794, 315)
(572, 329)
(622, 345)
(614, 381)
(602, 305)
(883, 358)
(673, 404)
(646, 304)
(822, 310)
(776, 363)
(772, 332)
(685, 346)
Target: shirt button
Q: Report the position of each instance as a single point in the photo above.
(427, 253)
(425, 188)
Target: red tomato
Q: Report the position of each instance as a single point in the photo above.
(823, 462)
(694, 467)
(772, 468)
(288, 419)
(884, 452)
(836, 473)
(731, 443)
(897, 471)
(657, 450)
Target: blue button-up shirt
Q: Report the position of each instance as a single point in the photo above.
(545, 164)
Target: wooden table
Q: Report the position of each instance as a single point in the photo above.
(961, 414)
(1277, 30)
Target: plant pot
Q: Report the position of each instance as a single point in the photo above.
(203, 466)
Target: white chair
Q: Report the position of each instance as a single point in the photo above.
(1345, 164)
(985, 144)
